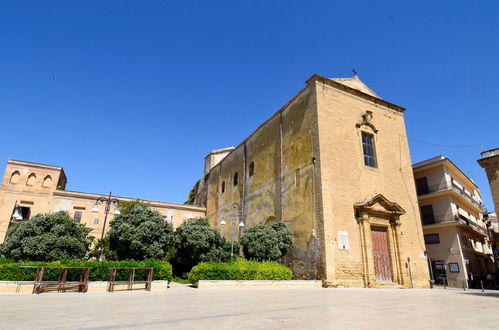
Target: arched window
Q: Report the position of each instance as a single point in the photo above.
(251, 169)
(47, 182)
(14, 178)
(222, 188)
(31, 179)
(235, 179)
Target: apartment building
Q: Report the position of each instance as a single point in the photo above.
(452, 215)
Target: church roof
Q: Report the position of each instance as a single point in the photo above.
(357, 84)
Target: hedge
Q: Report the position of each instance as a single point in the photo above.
(10, 271)
(240, 269)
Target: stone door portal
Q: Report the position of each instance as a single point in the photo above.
(381, 254)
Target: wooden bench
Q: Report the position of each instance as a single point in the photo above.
(111, 282)
(61, 285)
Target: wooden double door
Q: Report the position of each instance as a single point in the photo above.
(381, 254)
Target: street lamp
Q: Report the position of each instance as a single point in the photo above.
(109, 201)
(234, 217)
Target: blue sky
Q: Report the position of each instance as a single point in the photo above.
(144, 89)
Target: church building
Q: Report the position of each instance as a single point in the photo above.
(333, 164)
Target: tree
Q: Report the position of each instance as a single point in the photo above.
(107, 253)
(140, 232)
(47, 237)
(192, 194)
(196, 241)
(267, 241)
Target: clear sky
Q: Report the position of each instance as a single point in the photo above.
(143, 90)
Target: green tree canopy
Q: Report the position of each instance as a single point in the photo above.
(46, 237)
(267, 241)
(196, 241)
(140, 232)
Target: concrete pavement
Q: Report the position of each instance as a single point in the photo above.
(316, 308)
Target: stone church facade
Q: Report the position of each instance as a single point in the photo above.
(334, 165)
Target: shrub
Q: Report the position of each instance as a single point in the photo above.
(240, 269)
(10, 271)
(195, 242)
(46, 237)
(140, 232)
(267, 241)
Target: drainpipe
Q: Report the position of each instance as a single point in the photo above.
(281, 177)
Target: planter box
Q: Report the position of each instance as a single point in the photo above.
(210, 284)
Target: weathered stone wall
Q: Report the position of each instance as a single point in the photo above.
(491, 166)
(281, 187)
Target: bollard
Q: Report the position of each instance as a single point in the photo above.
(464, 287)
(481, 284)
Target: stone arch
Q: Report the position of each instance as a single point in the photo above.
(31, 179)
(14, 177)
(47, 181)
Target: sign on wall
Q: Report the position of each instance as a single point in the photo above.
(453, 267)
(343, 240)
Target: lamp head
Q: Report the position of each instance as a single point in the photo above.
(17, 215)
(116, 210)
(95, 208)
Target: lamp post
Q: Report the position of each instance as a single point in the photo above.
(109, 201)
(234, 217)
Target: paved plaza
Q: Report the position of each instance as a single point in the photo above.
(182, 307)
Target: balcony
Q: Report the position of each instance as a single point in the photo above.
(468, 196)
(448, 218)
(454, 187)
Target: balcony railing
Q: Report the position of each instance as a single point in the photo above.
(446, 218)
(444, 186)
(468, 196)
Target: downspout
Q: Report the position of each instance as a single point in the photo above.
(243, 192)
(281, 177)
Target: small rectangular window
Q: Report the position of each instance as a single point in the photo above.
(77, 217)
(96, 221)
(431, 239)
(368, 149)
(251, 170)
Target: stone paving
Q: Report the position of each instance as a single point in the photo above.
(182, 307)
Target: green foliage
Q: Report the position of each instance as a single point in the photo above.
(127, 206)
(180, 280)
(196, 241)
(267, 241)
(10, 271)
(140, 233)
(46, 237)
(240, 269)
(192, 194)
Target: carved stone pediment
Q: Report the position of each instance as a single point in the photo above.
(378, 205)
